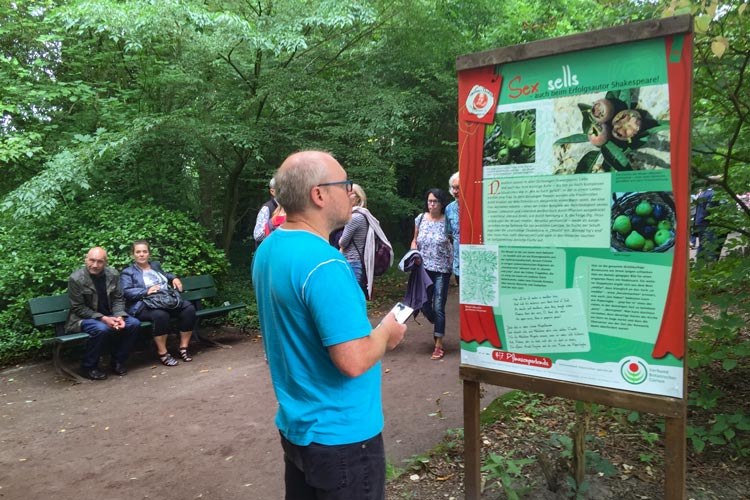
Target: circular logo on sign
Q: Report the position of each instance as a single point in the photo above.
(479, 101)
(634, 370)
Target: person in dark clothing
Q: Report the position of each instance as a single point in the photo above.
(710, 238)
(97, 307)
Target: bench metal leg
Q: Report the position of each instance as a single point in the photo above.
(205, 340)
(61, 369)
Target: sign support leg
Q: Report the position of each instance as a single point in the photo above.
(674, 458)
(472, 447)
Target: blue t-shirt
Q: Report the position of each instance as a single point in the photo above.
(309, 300)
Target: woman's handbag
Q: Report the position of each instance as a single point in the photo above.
(166, 298)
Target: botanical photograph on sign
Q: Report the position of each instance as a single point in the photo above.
(511, 139)
(643, 222)
(620, 131)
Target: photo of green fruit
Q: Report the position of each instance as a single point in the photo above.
(642, 222)
(510, 139)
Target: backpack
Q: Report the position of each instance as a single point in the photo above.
(335, 236)
(383, 257)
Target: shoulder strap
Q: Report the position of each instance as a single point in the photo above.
(359, 252)
(354, 240)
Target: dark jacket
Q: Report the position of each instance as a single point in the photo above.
(419, 281)
(84, 301)
(134, 287)
(703, 204)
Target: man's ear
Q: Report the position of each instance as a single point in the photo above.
(316, 195)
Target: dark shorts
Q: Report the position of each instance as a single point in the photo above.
(342, 472)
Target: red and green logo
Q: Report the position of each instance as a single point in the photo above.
(634, 371)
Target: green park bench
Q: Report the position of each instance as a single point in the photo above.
(53, 311)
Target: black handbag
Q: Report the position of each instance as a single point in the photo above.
(166, 298)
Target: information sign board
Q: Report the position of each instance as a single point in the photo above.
(574, 179)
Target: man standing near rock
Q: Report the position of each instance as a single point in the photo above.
(323, 354)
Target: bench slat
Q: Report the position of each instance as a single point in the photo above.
(204, 293)
(198, 282)
(69, 337)
(216, 311)
(51, 303)
(50, 318)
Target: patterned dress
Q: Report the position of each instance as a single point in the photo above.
(434, 245)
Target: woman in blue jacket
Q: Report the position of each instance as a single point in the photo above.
(144, 278)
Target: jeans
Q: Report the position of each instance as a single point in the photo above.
(437, 295)
(122, 341)
(345, 472)
(359, 274)
(357, 268)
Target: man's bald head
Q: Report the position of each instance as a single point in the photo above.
(96, 260)
(296, 177)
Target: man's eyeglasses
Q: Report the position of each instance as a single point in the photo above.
(349, 184)
(433, 202)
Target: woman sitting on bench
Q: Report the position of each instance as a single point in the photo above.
(146, 288)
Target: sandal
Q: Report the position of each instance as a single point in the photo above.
(184, 355)
(167, 359)
(438, 353)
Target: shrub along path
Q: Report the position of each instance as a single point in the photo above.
(199, 430)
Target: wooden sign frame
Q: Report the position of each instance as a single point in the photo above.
(672, 408)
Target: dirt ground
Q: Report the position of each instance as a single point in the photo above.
(199, 430)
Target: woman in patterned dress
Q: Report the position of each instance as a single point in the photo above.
(431, 240)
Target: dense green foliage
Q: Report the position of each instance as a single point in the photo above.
(209, 97)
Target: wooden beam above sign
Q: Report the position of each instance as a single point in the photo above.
(602, 38)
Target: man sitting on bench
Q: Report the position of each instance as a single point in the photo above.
(97, 307)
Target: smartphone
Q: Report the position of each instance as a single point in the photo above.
(402, 312)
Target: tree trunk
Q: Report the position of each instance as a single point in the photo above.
(207, 191)
(230, 204)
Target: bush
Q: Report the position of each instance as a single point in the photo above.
(40, 256)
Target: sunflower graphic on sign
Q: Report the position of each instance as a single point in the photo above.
(634, 370)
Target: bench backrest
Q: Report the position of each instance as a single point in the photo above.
(52, 310)
(198, 287)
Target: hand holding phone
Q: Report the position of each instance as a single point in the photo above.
(402, 312)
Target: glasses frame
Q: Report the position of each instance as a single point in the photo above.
(348, 183)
